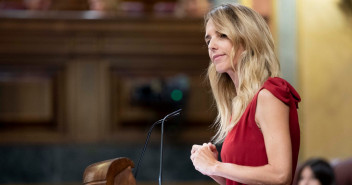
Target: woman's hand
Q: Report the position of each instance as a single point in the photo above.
(211, 146)
(195, 148)
(214, 150)
(204, 157)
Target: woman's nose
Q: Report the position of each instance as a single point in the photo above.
(212, 44)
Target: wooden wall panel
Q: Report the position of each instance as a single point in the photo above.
(26, 98)
(101, 60)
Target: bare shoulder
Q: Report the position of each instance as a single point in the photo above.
(265, 96)
(269, 106)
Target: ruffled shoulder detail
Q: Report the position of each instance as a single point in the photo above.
(282, 90)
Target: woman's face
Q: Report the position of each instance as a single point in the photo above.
(307, 177)
(219, 48)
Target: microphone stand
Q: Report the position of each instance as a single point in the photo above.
(162, 121)
(161, 153)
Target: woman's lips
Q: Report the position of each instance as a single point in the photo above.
(217, 57)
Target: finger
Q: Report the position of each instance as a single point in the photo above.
(206, 146)
(192, 151)
(192, 157)
(195, 148)
(212, 147)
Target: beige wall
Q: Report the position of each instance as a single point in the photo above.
(325, 74)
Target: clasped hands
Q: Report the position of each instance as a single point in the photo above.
(204, 158)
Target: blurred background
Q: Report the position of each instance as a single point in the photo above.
(81, 81)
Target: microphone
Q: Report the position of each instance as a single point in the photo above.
(167, 117)
(162, 141)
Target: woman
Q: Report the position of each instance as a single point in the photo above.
(316, 172)
(257, 111)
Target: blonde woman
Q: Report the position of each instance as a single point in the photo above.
(257, 111)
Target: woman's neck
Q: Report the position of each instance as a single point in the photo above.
(234, 77)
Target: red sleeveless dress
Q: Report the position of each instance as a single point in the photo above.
(244, 145)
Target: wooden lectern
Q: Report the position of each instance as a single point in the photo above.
(110, 172)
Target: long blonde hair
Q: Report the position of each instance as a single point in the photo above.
(258, 61)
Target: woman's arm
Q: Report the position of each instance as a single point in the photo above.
(273, 117)
(218, 179)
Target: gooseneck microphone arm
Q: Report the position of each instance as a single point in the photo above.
(145, 147)
(162, 142)
(172, 114)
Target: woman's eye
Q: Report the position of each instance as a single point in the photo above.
(207, 42)
(223, 36)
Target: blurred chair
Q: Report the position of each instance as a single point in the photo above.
(110, 172)
(343, 172)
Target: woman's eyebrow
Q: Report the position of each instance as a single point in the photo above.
(207, 37)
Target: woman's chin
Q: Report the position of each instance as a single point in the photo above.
(220, 70)
(222, 67)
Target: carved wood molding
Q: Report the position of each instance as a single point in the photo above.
(112, 36)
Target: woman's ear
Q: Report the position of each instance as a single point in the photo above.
(239, 51)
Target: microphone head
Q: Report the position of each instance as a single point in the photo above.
(172, 114)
